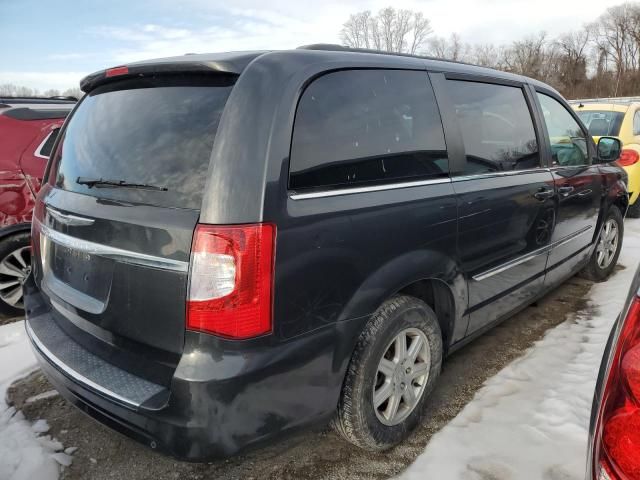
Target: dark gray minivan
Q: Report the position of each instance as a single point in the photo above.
(228, 247)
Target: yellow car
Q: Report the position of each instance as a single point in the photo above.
(617, 117)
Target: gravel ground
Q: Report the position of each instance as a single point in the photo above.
(7, 320)
(104, 454)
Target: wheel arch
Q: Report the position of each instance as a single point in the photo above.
(439, 296)
(431, 276)
(13, 229)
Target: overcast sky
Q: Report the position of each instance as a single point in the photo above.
(52, 44)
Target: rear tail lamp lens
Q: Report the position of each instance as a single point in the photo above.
(628, 157)
(231, 280)
(617, 438)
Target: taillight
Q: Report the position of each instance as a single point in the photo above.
(231, 279)
(628, 157)
(616, 450)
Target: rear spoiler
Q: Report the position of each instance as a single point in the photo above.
(231, 65)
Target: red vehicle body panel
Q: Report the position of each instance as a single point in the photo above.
(21, 170)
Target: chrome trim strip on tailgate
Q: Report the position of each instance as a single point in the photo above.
(68, 219)
(126, 256)
(78, 377)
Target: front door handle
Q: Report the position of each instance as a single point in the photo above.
(543, 194)
(564, 191)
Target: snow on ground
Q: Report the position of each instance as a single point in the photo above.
(531, 420)
(25, 452)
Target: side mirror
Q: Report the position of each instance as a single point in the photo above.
(609, 149)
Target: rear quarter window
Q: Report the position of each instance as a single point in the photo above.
(361, 127)
(44, 150)
(157, 132)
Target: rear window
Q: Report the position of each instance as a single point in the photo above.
(364, 127)
(601, 122)
(155, 132)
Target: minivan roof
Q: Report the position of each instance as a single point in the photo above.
(235, 62)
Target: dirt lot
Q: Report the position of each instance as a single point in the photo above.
(103, 454)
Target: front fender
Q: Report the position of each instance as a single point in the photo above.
(614, 192)
(16, 200)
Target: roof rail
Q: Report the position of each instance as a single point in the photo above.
(64, 97)
(619, 100)
(42, 100)
(331, 47)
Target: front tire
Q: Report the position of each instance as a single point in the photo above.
(608, 247)
(393, 370)
(15, 266)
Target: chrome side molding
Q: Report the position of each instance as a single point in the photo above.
(530, 256)
(372, 188)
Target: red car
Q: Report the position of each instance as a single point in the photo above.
(28, 130)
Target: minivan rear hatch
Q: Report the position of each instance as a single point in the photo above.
(115, 222)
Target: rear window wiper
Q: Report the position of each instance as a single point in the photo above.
(102, 183)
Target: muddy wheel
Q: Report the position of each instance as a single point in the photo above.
(393, 369)
(608, 246)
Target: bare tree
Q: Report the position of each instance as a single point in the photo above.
(73, 92)
(12, 90)
(391, 30)
(614, 35)
(526, 56)
(599, 59)
(356, 32)
(486, 55)
(452, 48)
(572, 49)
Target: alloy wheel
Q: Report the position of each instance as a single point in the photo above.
(14, 270)
(607, 244)
(401, 377)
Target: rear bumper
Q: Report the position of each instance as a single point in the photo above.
(222, 398)
(633, 172)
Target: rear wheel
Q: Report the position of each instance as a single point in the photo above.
(393, 369)
(608, 246)
(15, 266)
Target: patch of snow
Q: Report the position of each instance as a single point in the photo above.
(531, 420)
(40, 426)
(24, 453)
(63, 459)
(16, 358)
(42, 396)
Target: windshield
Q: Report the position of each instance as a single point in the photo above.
(150, 132)
(602, 122)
